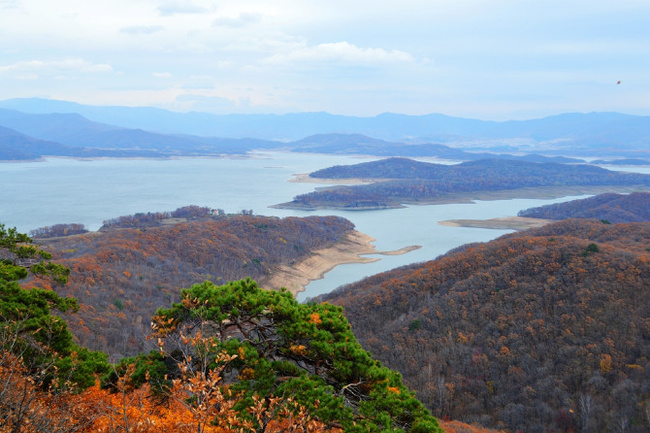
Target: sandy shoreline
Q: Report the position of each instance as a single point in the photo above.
(306, 178)
(514, 223)
(349, 250)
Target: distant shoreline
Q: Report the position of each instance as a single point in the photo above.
(350, 249)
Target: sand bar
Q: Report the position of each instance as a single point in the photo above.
(306, 178)
(507, 223)
(350, 249)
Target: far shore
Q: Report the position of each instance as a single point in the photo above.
(507, 223)
(350, 249)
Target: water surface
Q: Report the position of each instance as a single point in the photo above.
(38, 194)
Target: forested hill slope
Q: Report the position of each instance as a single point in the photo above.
(536, 331)
(122, 275)
(615, 208)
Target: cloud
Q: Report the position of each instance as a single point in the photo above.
(9, 4)
(172, 7)
(141, 30)
(35, 68)
(340, 52)
(243, 19)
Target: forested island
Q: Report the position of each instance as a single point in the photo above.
(400, 181)
(540, 330)
(608, 207)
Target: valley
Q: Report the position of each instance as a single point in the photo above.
(508, 292)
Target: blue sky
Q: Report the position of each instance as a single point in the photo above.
(496, 59)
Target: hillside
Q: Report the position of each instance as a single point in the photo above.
(537, 331)
(231, 358)
(122, 275)
(404, 181)
(615, 208)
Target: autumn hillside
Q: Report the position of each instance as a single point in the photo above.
(120, 276)
(615, 208)
(537, 331)
(229, 359)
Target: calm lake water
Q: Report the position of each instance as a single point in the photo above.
(38, 194)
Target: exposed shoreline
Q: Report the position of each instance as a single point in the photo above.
(507, 223)
(350, 249)
(306, 178)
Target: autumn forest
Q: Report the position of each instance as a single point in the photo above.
(159, 321)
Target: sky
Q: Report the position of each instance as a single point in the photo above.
(483, 59)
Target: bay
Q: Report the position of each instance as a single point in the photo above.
(44, 193)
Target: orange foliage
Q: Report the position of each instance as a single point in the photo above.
(315, 319)
(459, 427)
(25, 408)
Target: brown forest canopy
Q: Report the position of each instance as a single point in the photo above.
(615, 208)
(543, 330)
(122, 275)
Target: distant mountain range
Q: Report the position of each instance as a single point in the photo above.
(28, 136)
(157, 130)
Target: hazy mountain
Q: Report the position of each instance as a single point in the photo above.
(573, 133)
(73, 130)
(17, 146)
(351, 144)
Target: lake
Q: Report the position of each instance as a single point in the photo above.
(38, 194)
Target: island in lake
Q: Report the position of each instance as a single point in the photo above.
(401, 181)
(608, 208)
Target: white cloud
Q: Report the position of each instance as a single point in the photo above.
(9, 4)
(53, 67)
(141, 30)
(343, 52)
(338, 56)
(173, 7)
(243, 19)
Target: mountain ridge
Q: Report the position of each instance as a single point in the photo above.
(572, 133)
